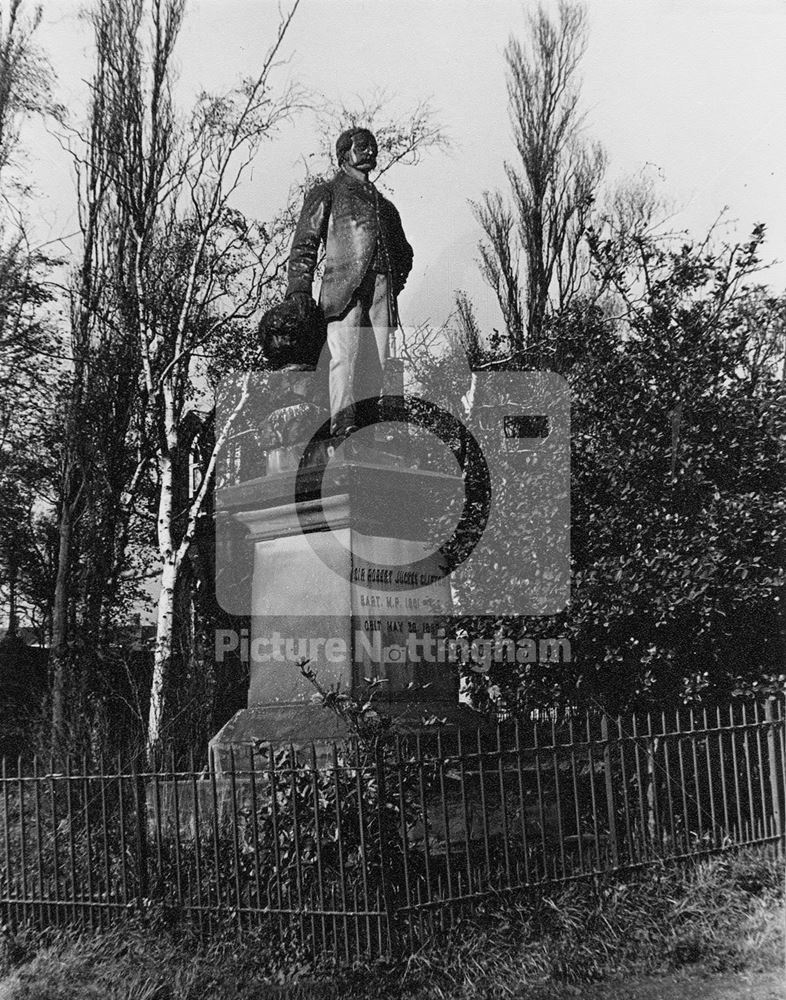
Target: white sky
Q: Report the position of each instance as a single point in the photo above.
(694, 89)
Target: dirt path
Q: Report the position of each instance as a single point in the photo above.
(739, 986)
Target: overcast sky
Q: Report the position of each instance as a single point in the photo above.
(695, 90)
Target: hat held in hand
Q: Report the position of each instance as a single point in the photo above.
(293, 333)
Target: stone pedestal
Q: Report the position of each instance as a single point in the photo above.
(345, 576)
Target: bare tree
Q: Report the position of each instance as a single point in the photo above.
(552, 182)
(103, 459)
(197, 267)
(25, 84)
(403, 134)
(25, 91)
(25, 74)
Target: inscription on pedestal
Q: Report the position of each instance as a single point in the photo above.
(394, 609)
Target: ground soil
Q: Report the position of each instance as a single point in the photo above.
(685, 986)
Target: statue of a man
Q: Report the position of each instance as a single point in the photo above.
(367, 262)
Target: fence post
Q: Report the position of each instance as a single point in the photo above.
(140, 812)
(385, 851)
(610, 809)
(773, 762)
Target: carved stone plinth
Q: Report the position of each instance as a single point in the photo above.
(342, 572)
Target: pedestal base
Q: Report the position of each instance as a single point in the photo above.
(345, 576)
(303, 724)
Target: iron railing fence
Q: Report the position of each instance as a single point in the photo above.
(353, 850)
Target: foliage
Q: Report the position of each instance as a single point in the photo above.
(28, 345)
(168, 267)
(25, 83)
(674, 359)
(358, 712)
(677, 482)
(677, 470)
(29, 435)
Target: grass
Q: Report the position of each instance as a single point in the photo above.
(725, 914)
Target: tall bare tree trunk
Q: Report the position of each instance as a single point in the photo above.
(163, 649)
(170, 559)
(60, 627)
(72, 494)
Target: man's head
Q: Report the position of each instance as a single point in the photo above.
(357, 147)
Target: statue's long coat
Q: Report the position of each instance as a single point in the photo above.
(350, 217)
